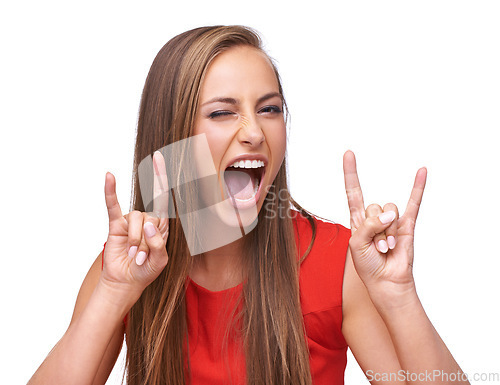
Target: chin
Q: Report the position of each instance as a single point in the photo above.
(217, 224)
(236, 217)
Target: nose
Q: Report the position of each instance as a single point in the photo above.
(250, 132)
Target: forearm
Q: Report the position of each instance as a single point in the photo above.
(422, 354)
(77, 356)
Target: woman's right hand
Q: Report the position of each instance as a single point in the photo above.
(135, 252)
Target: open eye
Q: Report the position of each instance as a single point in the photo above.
(271, 110)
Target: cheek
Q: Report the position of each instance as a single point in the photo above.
(277, 144)
(217, 140)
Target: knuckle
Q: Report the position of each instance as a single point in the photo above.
(163, 223)
(163, 229)
(353, 193)
(357, 212)
(391, 206)
(156, 243)
(133, 216)
(373, 209)
(134, 213)
(151, 217)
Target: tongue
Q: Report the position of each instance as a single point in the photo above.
(239, 184)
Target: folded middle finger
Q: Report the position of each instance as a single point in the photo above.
(380, 239)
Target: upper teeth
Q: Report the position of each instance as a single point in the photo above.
(248, 164)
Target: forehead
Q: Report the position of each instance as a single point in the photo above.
(239, 71)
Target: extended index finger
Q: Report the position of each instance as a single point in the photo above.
(160, 186)
(352, 186)
(114, 210)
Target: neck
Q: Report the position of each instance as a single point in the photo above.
(219, 269)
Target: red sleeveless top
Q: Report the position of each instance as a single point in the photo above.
(321, 277)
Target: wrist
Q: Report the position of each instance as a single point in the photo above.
(117, 297)
(390, 297)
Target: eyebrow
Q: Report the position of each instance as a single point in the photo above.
(236, 101)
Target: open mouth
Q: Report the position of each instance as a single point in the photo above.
(243, 180)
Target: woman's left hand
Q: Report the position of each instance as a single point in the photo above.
(381, 244)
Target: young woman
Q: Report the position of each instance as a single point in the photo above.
(277, 304)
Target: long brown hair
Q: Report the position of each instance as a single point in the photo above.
(273, 332)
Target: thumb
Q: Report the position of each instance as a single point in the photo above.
(372, 226)
(157, 256)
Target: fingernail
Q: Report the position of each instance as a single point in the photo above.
(382, 246)
(387, 217)
(391, 241)
(149, 229)
(141, 257)
(132, 251)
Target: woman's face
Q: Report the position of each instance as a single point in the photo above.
(241, 113)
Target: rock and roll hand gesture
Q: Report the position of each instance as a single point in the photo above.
(135, 252)
(381, 244)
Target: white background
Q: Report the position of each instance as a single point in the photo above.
(402, 84)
